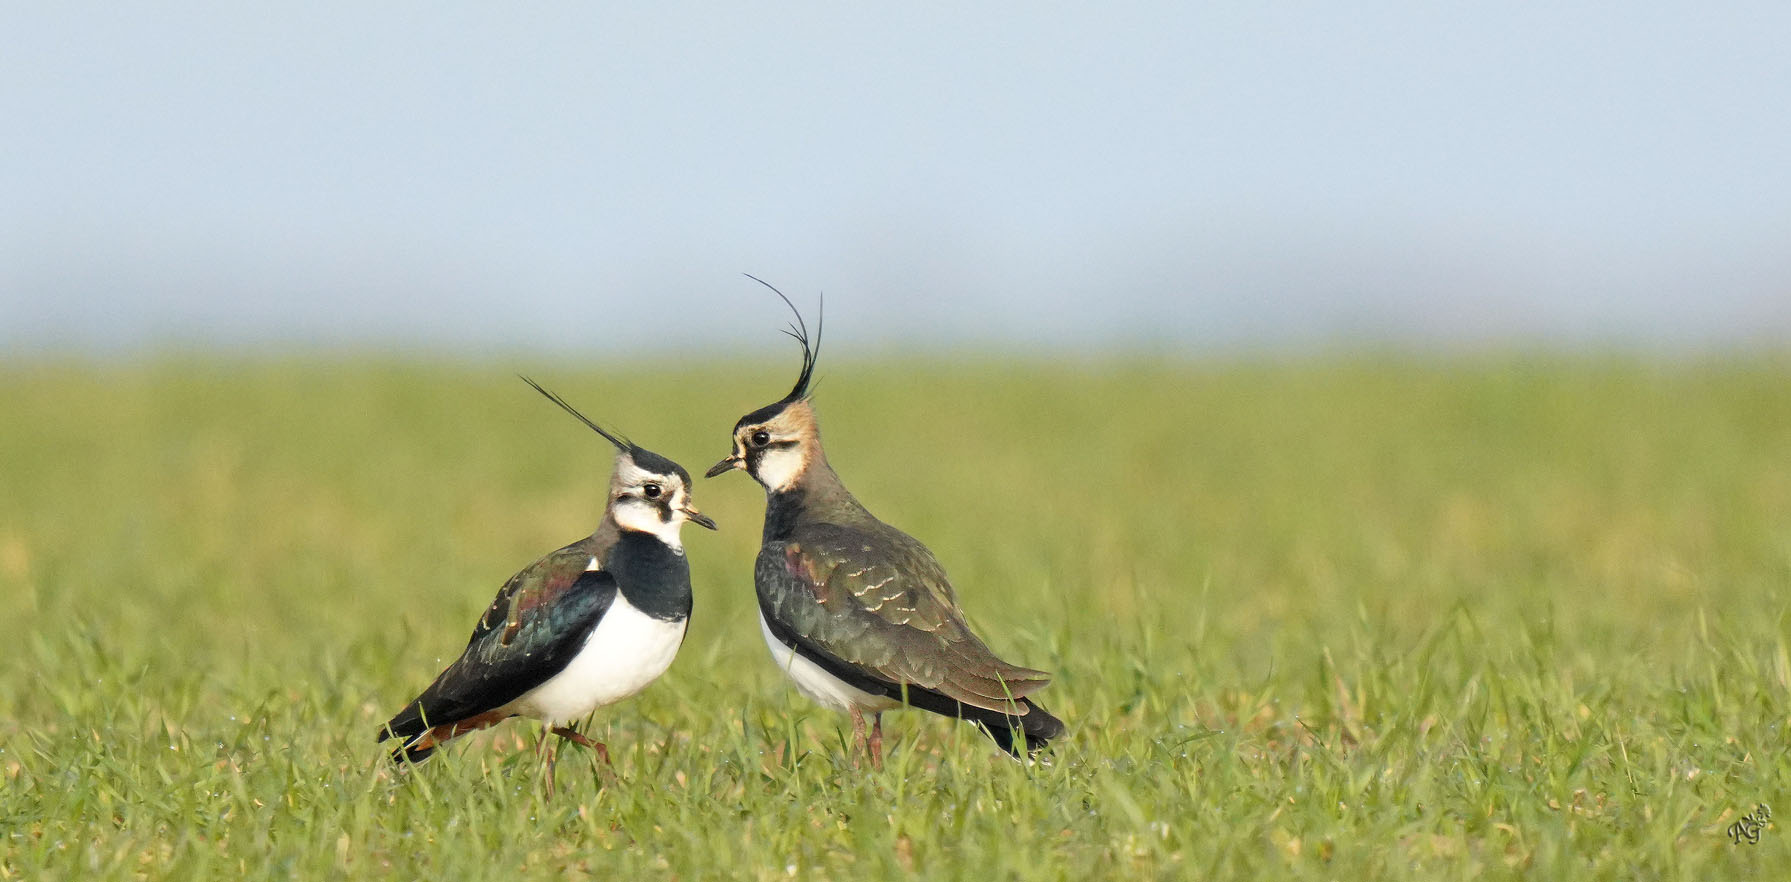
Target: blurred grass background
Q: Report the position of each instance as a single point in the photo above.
(1327, 617)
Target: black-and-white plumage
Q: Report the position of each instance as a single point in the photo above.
(585, 626)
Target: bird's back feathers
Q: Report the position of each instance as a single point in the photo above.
(878, 602)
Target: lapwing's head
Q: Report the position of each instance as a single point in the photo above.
(777, 443)
(651, 494)
(647, 492)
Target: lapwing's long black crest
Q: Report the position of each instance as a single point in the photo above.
(798, 330)
(621, 443)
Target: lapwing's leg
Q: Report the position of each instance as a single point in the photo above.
(859, 741)
(876, 741)
(552, 760)
(578, 738)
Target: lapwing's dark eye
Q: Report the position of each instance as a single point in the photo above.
(761, 438)
(651, 490)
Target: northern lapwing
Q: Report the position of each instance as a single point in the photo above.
(586, 626)
(858, 613)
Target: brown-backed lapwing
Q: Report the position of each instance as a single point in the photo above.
(858, 613)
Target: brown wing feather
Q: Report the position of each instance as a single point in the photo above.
(880, 601)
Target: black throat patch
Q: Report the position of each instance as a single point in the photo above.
(654, 578)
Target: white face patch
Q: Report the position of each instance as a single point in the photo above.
(634, 513)
(632, 510)
(780, 466)
(795, 443)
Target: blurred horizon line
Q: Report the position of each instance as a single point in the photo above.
(1340, 349)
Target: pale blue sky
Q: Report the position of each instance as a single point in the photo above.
(592, 177)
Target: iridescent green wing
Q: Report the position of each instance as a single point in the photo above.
(537, 623)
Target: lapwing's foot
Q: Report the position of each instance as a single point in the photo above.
(579, 738)
(607, 770)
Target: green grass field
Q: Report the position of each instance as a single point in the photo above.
(1332, 618)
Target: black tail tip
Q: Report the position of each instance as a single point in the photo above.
(410, 756)
(405, 753)
(1004, 739)
(1036, 730)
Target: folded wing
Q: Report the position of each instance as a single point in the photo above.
(880, 603)
(534, 627)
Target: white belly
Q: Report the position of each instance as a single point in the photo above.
(819, 685)
(627, 650)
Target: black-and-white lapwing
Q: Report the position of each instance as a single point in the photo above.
(586, 626)
(858, 613)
